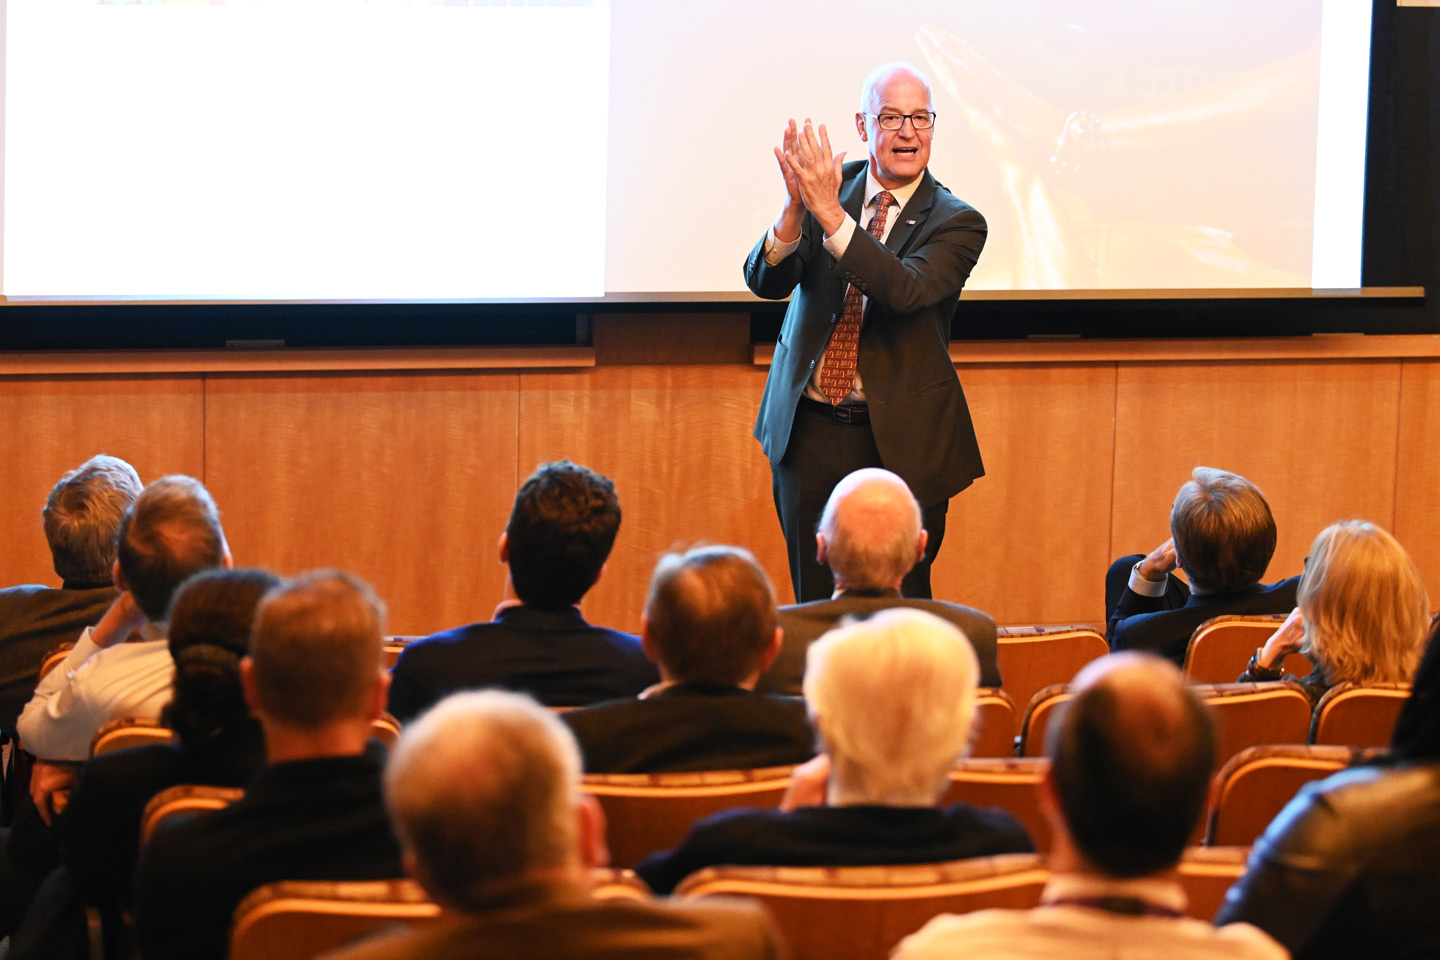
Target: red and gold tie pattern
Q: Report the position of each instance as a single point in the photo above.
(843, 351)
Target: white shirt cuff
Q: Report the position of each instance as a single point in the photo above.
(839, 241)
(1146, 588)
(775, 251)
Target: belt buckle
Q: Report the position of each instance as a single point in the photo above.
(845, 414)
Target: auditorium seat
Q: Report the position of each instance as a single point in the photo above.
(649, 812)
(1221, 647)
(1253, 714)
(125, 732)
(994, 727)
(182, 802)
(1253, 786)
(394, 646)
(1032, 658)
(1010, 784)
(1038, 715)
(1358, 715)
(1207, 873)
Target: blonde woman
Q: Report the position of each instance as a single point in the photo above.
(1362, 612)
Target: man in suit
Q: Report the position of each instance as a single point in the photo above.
(1130, 764)
(82, 520)
(556, 543)
(484, 790)
(315, 680)
(875, 255)
(710, 626)
(1222, 535)
(892, 699)
(870, 537)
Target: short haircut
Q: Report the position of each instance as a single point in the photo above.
(170, 532)
(482, 790)
(1131, 764)
(82, 518)
(872, 525)
(316, 649)
(875, 78)
(560, 533)
(210, 622)
(712, 615)
(1224, 532)
(895, 698)
(1364, 605)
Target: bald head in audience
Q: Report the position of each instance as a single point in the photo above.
(892, 699)
(1130, 762)
(870, 534)
(315, 676)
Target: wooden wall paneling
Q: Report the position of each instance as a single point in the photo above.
(403, 479)
(669, 338)
(1417, 474)
(1019, 543)
(676, 440)
(1319, 438)
(53, 425)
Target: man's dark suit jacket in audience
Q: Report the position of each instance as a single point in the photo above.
(551, 654)
(692, 727)
(35, 620)
(306, 820)
(837, 836)
(804, 623)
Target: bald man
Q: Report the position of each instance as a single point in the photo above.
(1130, 762)
(870, 537)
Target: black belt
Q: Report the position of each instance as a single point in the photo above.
(844, 413)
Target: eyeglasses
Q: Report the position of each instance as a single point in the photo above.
(894, 121)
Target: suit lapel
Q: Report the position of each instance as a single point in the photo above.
(912, 216)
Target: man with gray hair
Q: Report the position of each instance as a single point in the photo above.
(171, 531)
(1130, 763)
(1222, 535)
(870, 537)
(875, 254)
(892, 700)
(82, 521)
(484, 791)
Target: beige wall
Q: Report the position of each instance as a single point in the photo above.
(400, 465)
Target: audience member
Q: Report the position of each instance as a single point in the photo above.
(1350, 867)
(1130, 763)
(710, 625)
(82, 521)
(1362, 616)
(315, 680)
(484, 793)
(870, 537)
(1222, 535)
(892, 699)
(560, 533)
(171, 531)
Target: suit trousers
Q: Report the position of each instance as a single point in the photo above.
(822, 452)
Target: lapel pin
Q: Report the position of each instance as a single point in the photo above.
(910, 222)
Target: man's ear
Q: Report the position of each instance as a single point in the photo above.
(504, 548)
(920, 546)
(1050, 800)
(646, 643)
(860, 126)
(380, 696)
(247, 681)
(822, 555)
(226, 560)
(118, 577)
(772, 651)
(590, 818)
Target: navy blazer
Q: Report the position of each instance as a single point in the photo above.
(1167, 632)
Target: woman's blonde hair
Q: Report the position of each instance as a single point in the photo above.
(1365, 608)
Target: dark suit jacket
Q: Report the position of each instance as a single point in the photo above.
(307, 820)
(918, 412)
(33, 621)
(692, 727)
(836, 837)
(570, 923)
(553, 655)
(804, 623)
(1141, 623)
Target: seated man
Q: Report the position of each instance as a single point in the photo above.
(485, 794)
(82, 522)
(1222, 535)
(892, 699)
(870, 538)
(710, 626)
(1130, 763)
(560, 533)
(315, 679)
(171, 531)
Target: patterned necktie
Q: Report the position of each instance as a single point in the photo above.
(843, 350)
